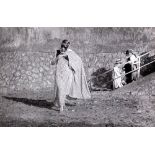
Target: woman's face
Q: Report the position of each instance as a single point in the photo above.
(65, 44)
(63, 50)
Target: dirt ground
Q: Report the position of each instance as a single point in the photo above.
(131, 106)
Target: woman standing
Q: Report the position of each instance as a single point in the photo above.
(70, 76)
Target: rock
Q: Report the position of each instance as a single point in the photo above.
(3, 90)
(41, 69)
(18, 74)
(35, 70)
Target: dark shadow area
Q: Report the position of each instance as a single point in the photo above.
(37, 103)
(99, 80)
(147, 69)
(32, 102)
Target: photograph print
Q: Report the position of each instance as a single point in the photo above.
(77, 76)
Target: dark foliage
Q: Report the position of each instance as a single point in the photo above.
(100, 81)
(149, 68)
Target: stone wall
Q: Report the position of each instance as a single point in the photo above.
(33, 71)
(26, 71)
(25, 53)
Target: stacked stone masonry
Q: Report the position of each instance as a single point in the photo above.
(26, 65)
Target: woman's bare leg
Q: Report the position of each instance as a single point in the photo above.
(61, 98)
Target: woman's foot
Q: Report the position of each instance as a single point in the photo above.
(55, 106)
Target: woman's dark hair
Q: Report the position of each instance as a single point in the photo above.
(65, 41)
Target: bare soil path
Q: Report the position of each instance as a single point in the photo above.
(131, 106)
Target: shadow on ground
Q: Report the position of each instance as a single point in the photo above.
(37, 103)
(32, 102)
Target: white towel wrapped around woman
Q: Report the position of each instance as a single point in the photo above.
(70, 78)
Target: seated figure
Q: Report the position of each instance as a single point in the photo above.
(117, 75)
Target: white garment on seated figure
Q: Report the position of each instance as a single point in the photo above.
(117, 77)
